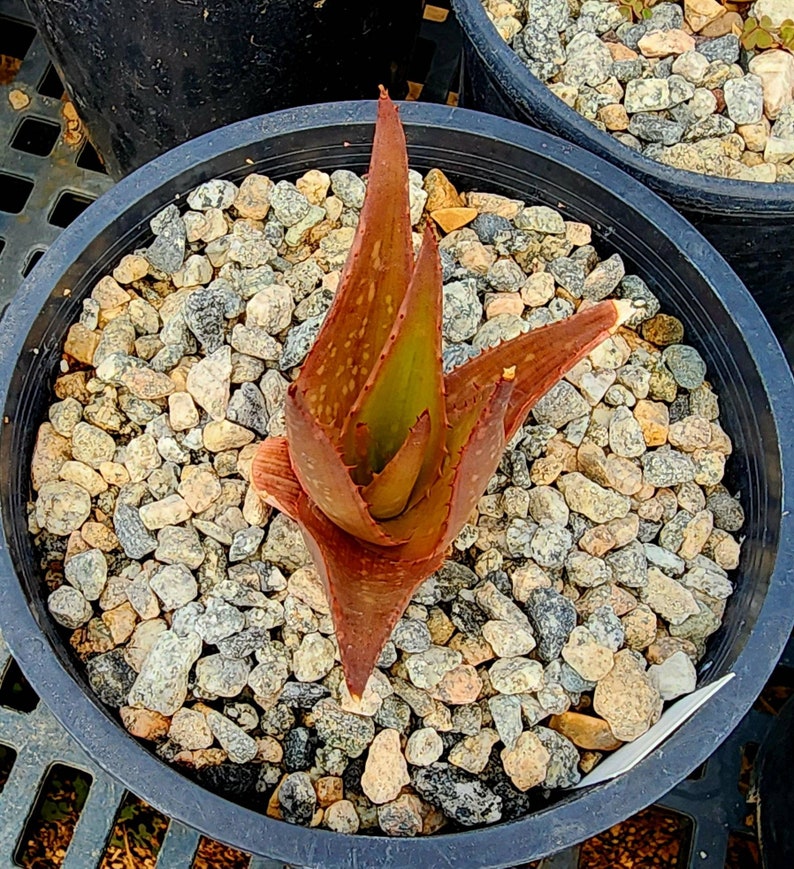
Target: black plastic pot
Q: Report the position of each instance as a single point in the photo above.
(750, 223)
(148, 75)
(478, 151)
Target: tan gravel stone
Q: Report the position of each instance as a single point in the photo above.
(664, 43)
(723, 25)
(527, 762)
(121, 622)
(491, 203)
(225, 435)
(172, 510)
(591, 500)
(475, 650)
(62, 507)
(654, 420)
(473, 752)
(49, 455)
(18, 99)
(209, 380)
(639, 626)
(696, 533)
(619, 51)
(130, 268)
(458, 686)
(341, 817)
(503, 303)
(329, 789)
(690, 433)
(591, 660)
(403, 817)
(189, 728)
(424, 747)
(440, 626)
(305, 584)
(441, 192)
(182, 412)
(81, 343)
(89, 479)
(314, 185)
(253, 197)
(200, 487)
(142, 641)
(614, 117)
(586, 731)
(723, 548)
(91, 445)
(144, 723)
(147, 384)
(450, 219)
(109, 294)
(99, 536)
(699, 13)
(668, 598)
(113, 473)
(385, 771)
(626, 699)
(663, 647)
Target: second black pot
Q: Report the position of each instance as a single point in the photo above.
(148, 75)
(479, 152)
(750, 223)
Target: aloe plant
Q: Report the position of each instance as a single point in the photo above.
(386, 457)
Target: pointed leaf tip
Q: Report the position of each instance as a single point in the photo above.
(368, 589)
(541, 357)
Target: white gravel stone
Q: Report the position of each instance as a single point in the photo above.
(163, 679)
(87, 572)
(175, 585)
(313, 659)
(424, 747)
(674, 677)
(515, 675)
(69, 607)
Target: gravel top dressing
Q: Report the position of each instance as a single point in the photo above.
(573, 604)
(690, 84)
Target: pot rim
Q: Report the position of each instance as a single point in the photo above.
(504, 844)
(717, 195)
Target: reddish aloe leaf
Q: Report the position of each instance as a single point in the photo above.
(479, 459)
(273, 478)
(475, 446)
(407, 379)
(361, 472)
(388, 492)
(324, 476)
(373, 283)
(541, 357)
(368, 590)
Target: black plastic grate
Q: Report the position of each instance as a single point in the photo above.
(32, 744)
(49, 173)
(41, 145)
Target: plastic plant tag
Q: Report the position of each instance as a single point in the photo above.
(632, 753)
